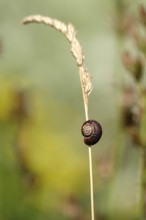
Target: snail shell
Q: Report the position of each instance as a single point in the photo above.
(92, 132)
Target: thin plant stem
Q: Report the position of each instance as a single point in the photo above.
(90, 167)
(86, 111)
(85, 78)
(91, 183)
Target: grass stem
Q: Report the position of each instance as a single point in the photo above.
(91, 183)
(90, 165)
(85, 77)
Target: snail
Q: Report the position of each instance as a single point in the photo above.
(92, 132)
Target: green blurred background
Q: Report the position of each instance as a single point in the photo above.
(44, 170)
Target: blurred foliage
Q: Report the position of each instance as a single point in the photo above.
(43, 161)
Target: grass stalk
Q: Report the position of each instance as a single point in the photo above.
(90, 168)
(85, 77)
(91, 183)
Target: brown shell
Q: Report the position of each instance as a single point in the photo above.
(92, 132)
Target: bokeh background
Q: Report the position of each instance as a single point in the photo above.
(44, 170)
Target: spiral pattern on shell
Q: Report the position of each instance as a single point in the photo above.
(92, 132)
